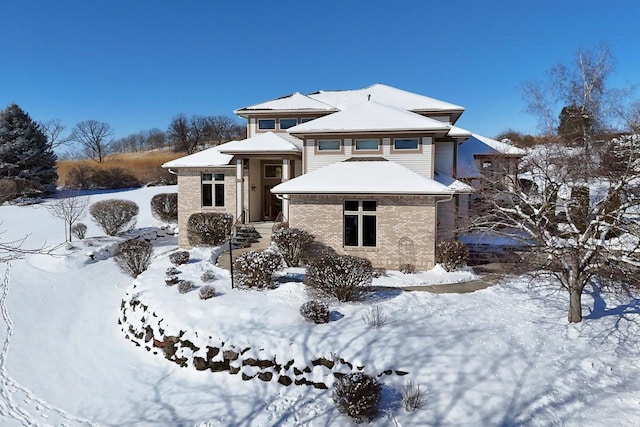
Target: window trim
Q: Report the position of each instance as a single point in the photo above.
(216, 181)
(354, 143)
(360, 214)
(333, 150)
(259, 129)
(287, 118)
(406, 150)
(319, 152)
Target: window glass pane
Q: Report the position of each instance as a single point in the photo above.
(351, 230)
(368, 230)
(273, 171)
(287, 123)
(219, 194)
(351, 205)
(306, 119)
(207, 199)
(266, 124)
(328, 144)
(367, 144)
(368, 205)
(218, 177)
(405, 144)
(207, 176)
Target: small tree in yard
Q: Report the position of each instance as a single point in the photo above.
(357, 395)
(133, 256)
(255, 269)
(452, 255)
(164, 206)
(291, 244)
(114, 215)
(70, 210)
(342, 276)
(208, 228)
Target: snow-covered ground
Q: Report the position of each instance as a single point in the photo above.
(500, 356)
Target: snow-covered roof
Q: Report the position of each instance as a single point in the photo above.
(362, 177)
(453, 184)
(294, 102)
(370, 116)
(457, 132)
(268, 142)
(206, 158)
(481, 145)
(383, 94)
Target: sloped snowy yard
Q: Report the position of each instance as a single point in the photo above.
(501, 356)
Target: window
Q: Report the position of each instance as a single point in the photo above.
(367, 144)
(329, 144)
(288, 123)
(487, 164)
(360, 223)
(307, 119)
(266, 124)
(212, 189)
(273, 171)
(405, 144)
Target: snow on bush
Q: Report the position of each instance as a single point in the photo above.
(357, 395)
(207, 292)
(172, 271)
(185, 286)
(345, 277)
(133, 256)
(411, 396)
(164, 206)
(208, 228)
(179, 258)
(208, 276)
(452, 255)
(374, 317)
(171, 280)
(114, 215)
(79, 230)
(315, 311)
(291, 244)
(255, 269)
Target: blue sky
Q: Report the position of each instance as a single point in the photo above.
(136, 64)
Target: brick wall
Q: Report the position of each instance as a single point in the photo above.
(406, 229)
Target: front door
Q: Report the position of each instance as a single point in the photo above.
(272, 205)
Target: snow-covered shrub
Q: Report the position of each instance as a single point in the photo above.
(357, 395)
(79, 230)
(407, 269)
(171, 280)
(208, 228)
(179, 258)
(255, 269)
(185, 286)
(345, 277)
(172, 271)
(208, 276)
(452, 255)
(291, 244)
(411, 396)
(114, 215)
(164, 206)
(207, 292)
(374, 317)
(315, 311)
(133, 256)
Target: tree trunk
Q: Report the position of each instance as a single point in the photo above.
(575, 305)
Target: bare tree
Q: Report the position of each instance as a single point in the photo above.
(53, 130)
(70, 210)
(93, 136)
(179, 133)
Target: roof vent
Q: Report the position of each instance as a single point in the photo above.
(369, 97)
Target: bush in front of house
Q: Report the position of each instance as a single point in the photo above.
(164, 206)
(179, 258)
(345, 277)
(79, 230)
(207, 292)
(291, 244)
(185, 286)
(208, 228)
(452, 255)
(357, 395)
(114, 215)
(255, 269)
(315, 311)
(133, 256)
(208, 276)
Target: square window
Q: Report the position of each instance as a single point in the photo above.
(369, 206)
(367, 144)
(266, 124)
(207, 176)
(329, 145)
(288, 123)
(351, 205)
(405, 144)
(273, 171)
(218, 177)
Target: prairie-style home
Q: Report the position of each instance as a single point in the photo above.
(370, 172)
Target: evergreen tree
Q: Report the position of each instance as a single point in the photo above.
(26, 156)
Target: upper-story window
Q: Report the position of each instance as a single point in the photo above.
(405, 143)
(288, 123)
(266, 124)
(212, 189)
(367, 144)
(307, 119)
(329, 144)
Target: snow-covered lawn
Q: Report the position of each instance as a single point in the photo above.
(500, 356)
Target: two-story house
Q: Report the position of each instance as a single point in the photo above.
(370, 172)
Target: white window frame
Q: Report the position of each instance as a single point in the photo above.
(360, 214)
(214, 180)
